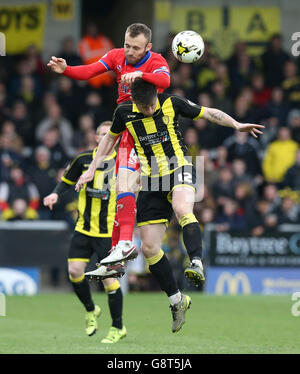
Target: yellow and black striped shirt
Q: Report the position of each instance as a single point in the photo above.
(158, 141)
(97, 200)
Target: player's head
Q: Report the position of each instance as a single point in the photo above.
(102, 129)
(144, 95)
(137, 42)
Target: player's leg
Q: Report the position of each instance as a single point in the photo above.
(101, 247)
(159, 265)
(115, 303)
(79, 256)
(127, 185)
(183, 202)
(127, 166)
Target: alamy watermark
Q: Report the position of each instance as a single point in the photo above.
(161, 174)
(296, 46)
(295, 310)
(2, 44)
(2, 305)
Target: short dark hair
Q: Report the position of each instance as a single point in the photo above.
(143, 92)
(139, 28)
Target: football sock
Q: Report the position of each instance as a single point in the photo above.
(175, 299)
(115, 232)
(161, 269)
(192, 236)
(115, 303)
(126, 207)
(81, 288)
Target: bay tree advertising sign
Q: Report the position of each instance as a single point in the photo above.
(279, 249)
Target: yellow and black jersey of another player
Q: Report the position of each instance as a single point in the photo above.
(158, 140)
(97, 199)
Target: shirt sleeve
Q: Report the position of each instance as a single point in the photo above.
(108, 60)
(160, 73)
(118, 123)
(187, 108)
(73, 171)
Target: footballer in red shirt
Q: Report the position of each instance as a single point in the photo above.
(134, 60)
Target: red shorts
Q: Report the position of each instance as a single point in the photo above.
(127, 157)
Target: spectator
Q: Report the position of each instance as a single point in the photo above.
(244, 195)
(8, 156)
(43, 176)
(280, 156)
(69, 98)
(34, 57)
(256, 216)
(55, 119)
(289, 211)
(271, 196)
(19, 211)
(229, 219)
(9, 130)
(277, 108)
(51, 140)
(239, 169)
(292, 176)
(69, 53)
(24, 126)
(273, 61)
(221, 157)
(241, 73)
(222, 189)
(95, 108)
(208, 137)
(291, 84)
(85, 124)
(261, 92)
(220, 99)
(92, 47)
(18, 187)
(242, 146)
(293, 121)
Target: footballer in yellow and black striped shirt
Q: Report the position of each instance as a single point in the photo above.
(152, 120)
(93, 231)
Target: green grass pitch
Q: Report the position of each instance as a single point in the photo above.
(54, 323)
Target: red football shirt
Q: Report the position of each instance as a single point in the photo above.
(154, 67)
(152, 63)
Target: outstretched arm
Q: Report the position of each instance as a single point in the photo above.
(105, 147)
(223, 119)
(80, 72)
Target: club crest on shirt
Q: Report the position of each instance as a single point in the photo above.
(119, 68)
(166, 120)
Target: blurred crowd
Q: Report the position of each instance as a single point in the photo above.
(253, 184)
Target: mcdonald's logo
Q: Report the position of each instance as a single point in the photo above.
(233, 282)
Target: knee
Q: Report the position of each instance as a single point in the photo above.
(149, 248)
(75, 270)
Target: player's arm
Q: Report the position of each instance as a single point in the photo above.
(159, 76)
(224, 119)
(80, 72)
(105, 147)
(191, 110)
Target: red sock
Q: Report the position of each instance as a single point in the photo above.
(126, 208)
(116, 231)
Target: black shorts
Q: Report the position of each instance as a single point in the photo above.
(154, 202)
(82, 247)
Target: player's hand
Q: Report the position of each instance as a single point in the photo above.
(129, 78)
(252, 128)
(50, 200)
(57, 64)
(85, 178)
